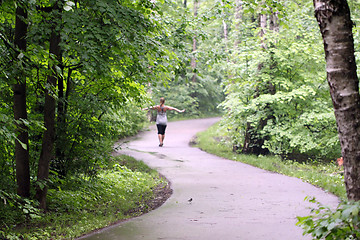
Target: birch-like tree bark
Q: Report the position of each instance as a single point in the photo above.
(193, 60)
(238, 19)
(335, 25)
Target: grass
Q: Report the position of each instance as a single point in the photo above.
(78, 206)
(324, 175)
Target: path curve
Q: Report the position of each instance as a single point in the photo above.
(231, 200)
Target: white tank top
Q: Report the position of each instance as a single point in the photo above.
(161, 117)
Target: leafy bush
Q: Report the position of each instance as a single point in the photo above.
(278, 98)
(198, 98)
(80, 205)
(15, 209)
(325, 223)
(85, 142)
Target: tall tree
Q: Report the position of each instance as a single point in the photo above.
(20, 112)
(336, 25)
(253, 141)
(47, 151)
(238, 18)
(194, 43)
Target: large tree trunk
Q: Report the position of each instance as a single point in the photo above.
(47, 151)
(22, 144)
(335, 25)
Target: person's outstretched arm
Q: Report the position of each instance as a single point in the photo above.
(149, 108)
(175, 109)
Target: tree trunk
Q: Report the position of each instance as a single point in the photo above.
(61, 124)
(253, 142)
(263, 26)
(22, 144)
(274, 28)
(335, 25)
(61, 103)
(225, 32)
(193, 60)
(47, 150)
(238, 18)
(225, 27)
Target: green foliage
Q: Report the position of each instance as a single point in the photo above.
(198, 98)
(109, 51)
(15, 209)
(80, 205)
(326, 223)
(200, 95)
(87, 140)
(280, 91)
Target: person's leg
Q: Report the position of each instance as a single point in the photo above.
(161, 140)
(163, 135)
(159, 128)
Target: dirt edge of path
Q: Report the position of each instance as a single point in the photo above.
(160, 194)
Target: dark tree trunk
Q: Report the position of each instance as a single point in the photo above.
(21, 152)
(47, 151)
(61, 103)
(61, 125)
(335, 25)
(253, 142)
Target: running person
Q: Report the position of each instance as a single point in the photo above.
(161, 118)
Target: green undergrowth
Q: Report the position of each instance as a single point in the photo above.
(327, 176)
(81, 205)
(180, 117)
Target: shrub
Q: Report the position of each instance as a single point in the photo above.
(326, 223)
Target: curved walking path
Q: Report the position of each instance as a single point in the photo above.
(231, 200)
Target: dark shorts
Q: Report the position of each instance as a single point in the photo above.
(161, 129)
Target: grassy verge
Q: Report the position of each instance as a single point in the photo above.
(78, 206)
(324, 175)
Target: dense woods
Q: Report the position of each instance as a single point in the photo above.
(74, 75)
(58, 64)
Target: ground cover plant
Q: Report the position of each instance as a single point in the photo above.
(77, 206)
(326, 223)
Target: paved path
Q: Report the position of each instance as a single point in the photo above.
(231, 200)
